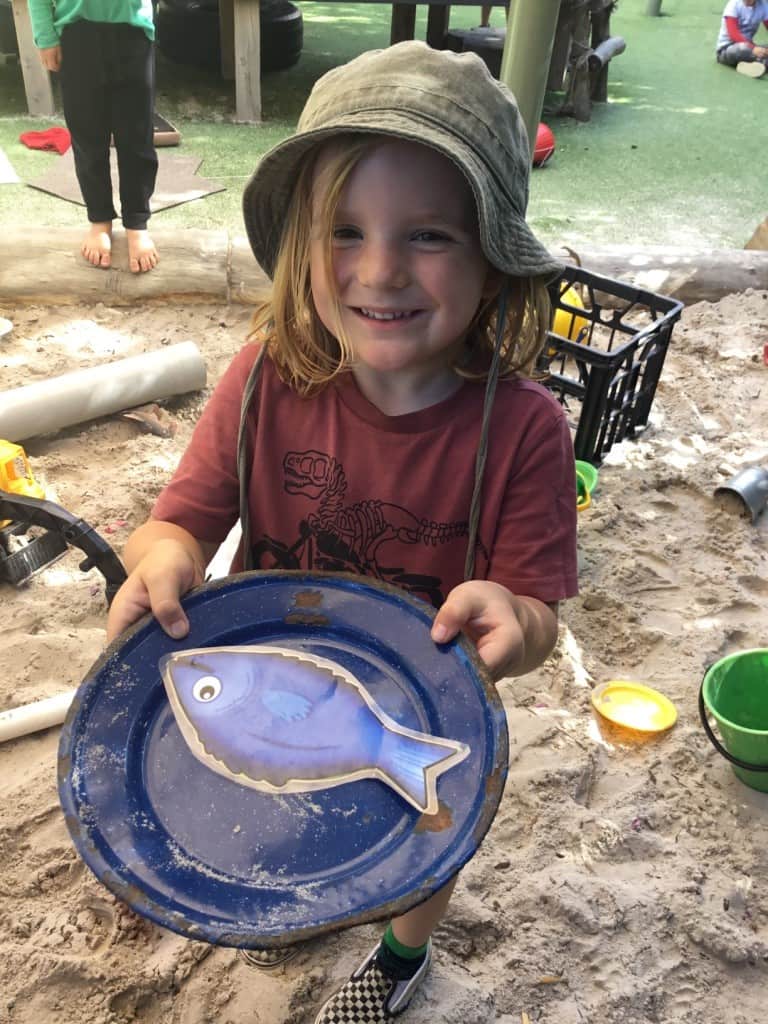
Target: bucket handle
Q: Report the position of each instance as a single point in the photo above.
(718, 745)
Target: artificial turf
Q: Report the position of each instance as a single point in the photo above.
(675, 157)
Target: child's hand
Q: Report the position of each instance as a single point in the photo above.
(50, 56)
(156, 584)
(513, 634)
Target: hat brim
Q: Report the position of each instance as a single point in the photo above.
(268, 194)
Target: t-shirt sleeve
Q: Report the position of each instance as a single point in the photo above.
(203, 496)
(534, 552)
(732, 25)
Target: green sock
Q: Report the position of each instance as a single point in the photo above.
(401, 960)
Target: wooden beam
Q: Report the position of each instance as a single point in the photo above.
(37, 82)
(247, 61)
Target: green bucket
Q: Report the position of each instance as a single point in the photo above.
(587, 475)
(735, 692)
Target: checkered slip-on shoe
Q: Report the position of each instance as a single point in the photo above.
(372, 996)
(266, 959)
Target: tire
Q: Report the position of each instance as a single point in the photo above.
(282, 35)
(187, 32)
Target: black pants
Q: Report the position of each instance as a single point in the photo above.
(108, 88)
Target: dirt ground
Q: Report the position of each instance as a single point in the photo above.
(620, 882)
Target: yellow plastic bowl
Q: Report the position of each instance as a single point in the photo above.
(634, 707)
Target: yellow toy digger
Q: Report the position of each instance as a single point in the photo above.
(25, 551)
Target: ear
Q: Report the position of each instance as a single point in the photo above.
(493, 281)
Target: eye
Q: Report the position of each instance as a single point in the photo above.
(346, 233)
(206, 689)
(430, 237)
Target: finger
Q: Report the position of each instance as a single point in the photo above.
(460, 608)
(129, 604)
(166, 607)
(497, 649)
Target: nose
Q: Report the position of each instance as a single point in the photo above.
(382, 264)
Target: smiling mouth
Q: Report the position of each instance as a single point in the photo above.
(373, 314)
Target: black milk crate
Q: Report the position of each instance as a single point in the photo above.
(606, 376)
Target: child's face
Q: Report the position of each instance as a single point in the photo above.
(408, 268)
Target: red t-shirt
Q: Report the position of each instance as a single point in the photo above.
(336, 485)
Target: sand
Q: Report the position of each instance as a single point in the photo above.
(620, 882)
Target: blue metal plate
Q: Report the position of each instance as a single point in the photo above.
(214, 860)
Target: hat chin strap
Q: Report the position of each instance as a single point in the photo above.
(243, 461)
(482, 444)
(243, 466)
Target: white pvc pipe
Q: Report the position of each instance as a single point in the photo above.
(42, 714)
(57, 402)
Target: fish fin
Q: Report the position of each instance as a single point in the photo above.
(411, 764)
(290, 707)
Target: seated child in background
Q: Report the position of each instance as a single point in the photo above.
(408, 289)
(104, 51)
(735, 44)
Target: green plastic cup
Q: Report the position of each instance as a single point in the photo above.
(735, 692)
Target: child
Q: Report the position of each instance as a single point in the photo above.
(407, 287)
(735, 43)
(105, 54)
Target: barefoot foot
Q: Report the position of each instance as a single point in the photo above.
(97, 244)
(142, 254)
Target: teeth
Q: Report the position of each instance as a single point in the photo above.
(383, 316)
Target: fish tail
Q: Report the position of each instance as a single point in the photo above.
(413, 764)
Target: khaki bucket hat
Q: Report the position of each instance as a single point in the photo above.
(445, 100)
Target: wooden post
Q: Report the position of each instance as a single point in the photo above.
(438, 17)
(578, 101)
(247, 61)
(653, 8)
(527, 55)
(37, 83)
(601, 30)
(403, 24)
(227, 37)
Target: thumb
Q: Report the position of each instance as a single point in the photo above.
(166, 607)
(459, 608)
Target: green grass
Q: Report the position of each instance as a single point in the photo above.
(676, 157)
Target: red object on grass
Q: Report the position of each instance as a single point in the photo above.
(52, 138)
(545, 145)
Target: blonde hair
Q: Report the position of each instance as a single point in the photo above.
(307, 356)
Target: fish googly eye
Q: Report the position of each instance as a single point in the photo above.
(206, 689)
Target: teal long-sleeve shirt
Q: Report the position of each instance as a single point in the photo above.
(49, 17)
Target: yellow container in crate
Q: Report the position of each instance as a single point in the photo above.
(16, 474)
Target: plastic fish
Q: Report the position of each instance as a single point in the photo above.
(283, 721)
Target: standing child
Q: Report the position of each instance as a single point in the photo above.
(736, 42)
(407, 289)
(105, 53)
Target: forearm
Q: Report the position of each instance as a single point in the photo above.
(155, 530)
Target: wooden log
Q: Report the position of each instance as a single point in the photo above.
(44, 265)
(685, 274)
(605, 51)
